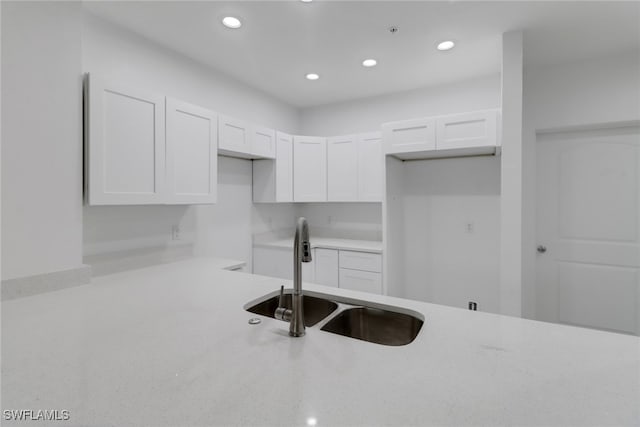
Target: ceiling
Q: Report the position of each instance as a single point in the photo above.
(281, 41)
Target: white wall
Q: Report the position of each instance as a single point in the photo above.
(451, 231)
(368, 114)
(41, 138)
(223, 229)
(596, 91)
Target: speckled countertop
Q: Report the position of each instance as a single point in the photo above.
(170, 346)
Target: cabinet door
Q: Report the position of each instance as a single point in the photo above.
(476, 129)
(192, 153)
(326, 261)
(284, 167)
(309, 169)
(263, 143)
(370, 167)
(364, 281)
(409, 136)
(342, 169)
(125, 145)
(234, 136)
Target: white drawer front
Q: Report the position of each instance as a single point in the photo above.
(364, 281)
(361, 261)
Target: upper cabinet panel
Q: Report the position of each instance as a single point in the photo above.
(370, 161)
(238, 138)
(234, 136)
(125, 145)
(467, 134)
(475, 129)
(263, 142)
(342, 168)
(273, 179)
(409, 135)
(309, 169)
(192, 153)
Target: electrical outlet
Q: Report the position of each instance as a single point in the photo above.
(329, 220)
(175, 232)
(468, 227)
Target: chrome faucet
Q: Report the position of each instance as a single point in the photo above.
(301, 253)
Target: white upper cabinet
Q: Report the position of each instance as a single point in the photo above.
(474, 129)
(370, 167)
(309, 169)
(466, 134)
(192, 153)
(409, 135)
(125, 145)
(239, 138)
(263, 142)
(273, 179)
(342, 168)
(234, 136)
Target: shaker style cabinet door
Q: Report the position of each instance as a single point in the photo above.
(263, 142)
(467, 130)
(309, 169)
(342, 168)
(124, 145)
(273, 179)
(234, 136)
(370, 161)
(192, 153)
(408, 136)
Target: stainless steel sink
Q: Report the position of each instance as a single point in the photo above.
(375, 325)
(315, 309)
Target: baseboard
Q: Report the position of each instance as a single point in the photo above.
(40, 283)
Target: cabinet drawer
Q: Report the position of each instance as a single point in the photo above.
(361, 261)
(364, 281)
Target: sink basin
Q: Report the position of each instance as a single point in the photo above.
(315, 309)
(375, 325)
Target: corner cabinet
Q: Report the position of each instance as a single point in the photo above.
(309, 169)
(239, 138)
(273, 179)
(129, 160)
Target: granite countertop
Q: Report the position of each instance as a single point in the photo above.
(373, 246)
(170, 345)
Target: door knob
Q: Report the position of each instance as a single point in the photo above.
(541, 249)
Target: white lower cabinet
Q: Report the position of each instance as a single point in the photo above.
(326, 263)
(347, 269)
(278, 262)
(364, 281)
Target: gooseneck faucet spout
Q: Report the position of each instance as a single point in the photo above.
(301, 253)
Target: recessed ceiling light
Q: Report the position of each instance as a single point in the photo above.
(306, 1)
(231, 22)
(369, 63)
(312, 76)
(446, 45)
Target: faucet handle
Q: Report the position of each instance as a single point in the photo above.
(281, 299)
(282, 313)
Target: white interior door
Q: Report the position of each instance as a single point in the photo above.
(588, 229)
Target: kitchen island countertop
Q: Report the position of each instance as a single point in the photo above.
(170, 345)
